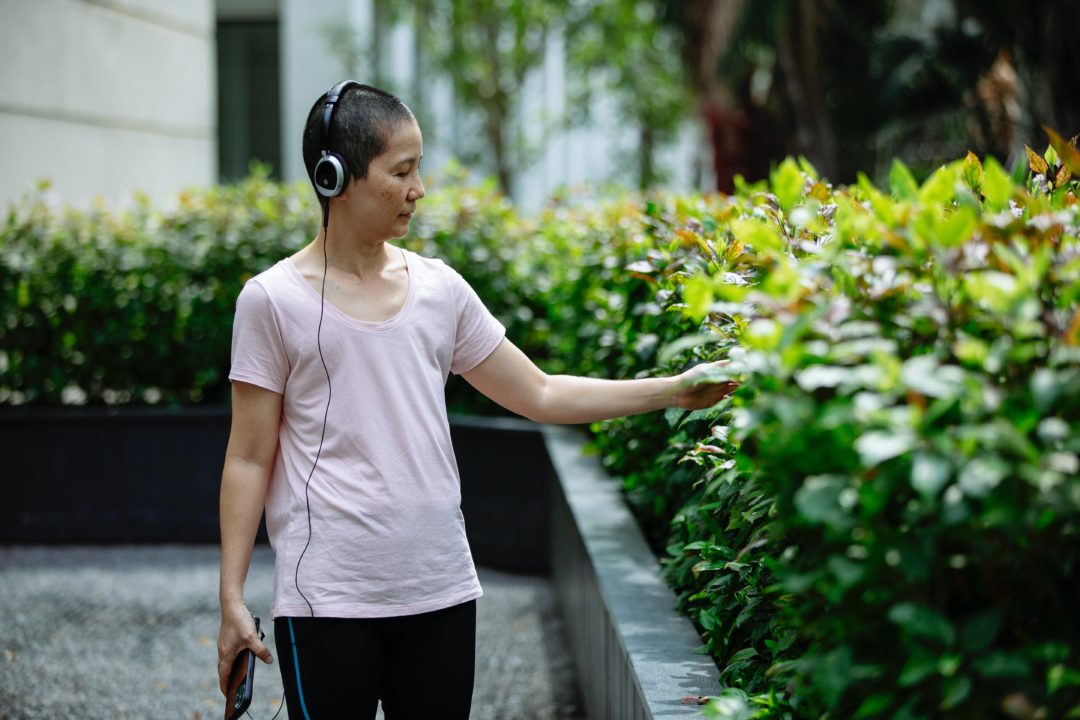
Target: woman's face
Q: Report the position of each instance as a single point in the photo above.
(381, 204)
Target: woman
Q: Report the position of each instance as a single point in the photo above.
(339, 430)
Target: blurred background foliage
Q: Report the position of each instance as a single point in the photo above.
(848, 85)
(853, 85)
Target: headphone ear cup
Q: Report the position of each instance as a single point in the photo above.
(331, 173)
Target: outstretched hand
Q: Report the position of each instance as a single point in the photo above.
(702, 386)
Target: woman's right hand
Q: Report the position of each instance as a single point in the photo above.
(237, 632)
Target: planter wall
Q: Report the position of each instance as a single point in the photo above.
(636, 656)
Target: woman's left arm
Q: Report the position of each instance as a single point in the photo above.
(511, 379)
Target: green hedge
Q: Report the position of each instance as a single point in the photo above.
(113, 307)
(107, 307)
(881, 522)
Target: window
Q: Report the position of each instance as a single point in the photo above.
(249, 97)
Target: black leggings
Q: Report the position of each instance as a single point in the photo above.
(420, 666)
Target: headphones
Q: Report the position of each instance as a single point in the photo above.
(331, 172)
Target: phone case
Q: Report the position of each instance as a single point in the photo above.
(241, 682)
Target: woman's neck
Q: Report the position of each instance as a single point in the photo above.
(353, 254)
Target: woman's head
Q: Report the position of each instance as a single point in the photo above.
(363, 121)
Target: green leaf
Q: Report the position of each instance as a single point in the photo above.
(917, 669)
(819, 376)
(923, 622)
(787, 184)
(992, 289)
(762, 334)
(757, 234)
(1046, 388)
(957, 228)
(978, 632)
(971, 350)
(877, 446)
(939, 189)
(730, 704)
(848, 572)
(883, 208)
(973, 172)
(955, 691)
(925, 375)
(929, 474)
(1059, 676)
(818, 499)
(902, 182)
(687, 342)
(744, 654)
(833, 673)
(698, 294)
(874, 706)
(1066, 151)
(22, 294)
(1001, 664)
(997, 185)
(981, 475)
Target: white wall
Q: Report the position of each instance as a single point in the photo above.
(307, 67)
(106, 97)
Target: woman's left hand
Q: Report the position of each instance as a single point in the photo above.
(700, 387)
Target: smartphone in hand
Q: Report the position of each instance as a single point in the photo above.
(241, 681)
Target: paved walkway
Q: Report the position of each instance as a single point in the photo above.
(130, 632)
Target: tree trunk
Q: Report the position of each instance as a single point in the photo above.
(646, 156)
(798, 56)
(495, 126)
(706, 27)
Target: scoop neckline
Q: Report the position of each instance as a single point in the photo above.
(342, 316)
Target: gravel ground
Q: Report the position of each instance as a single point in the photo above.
(130, 632)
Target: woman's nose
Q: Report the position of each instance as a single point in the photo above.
(417, 192)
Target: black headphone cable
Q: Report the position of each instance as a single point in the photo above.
(326, 412)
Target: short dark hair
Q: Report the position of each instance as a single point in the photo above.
(363, 121)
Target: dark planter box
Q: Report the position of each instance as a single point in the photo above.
(147, 475)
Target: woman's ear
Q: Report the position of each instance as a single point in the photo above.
(345, 191)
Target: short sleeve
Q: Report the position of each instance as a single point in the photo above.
(478, 331)
(258, 351)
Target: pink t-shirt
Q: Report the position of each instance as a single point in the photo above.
(387, 533)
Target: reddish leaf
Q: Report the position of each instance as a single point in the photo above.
(1036, 162)
(695, 700)
(1064, 174)
(1072, 333)
(1068, 155)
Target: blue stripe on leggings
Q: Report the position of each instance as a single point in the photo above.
(296, 666)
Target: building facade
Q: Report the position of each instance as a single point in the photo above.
(104, 98)
(108, 97)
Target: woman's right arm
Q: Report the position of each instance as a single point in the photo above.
(249, 461)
